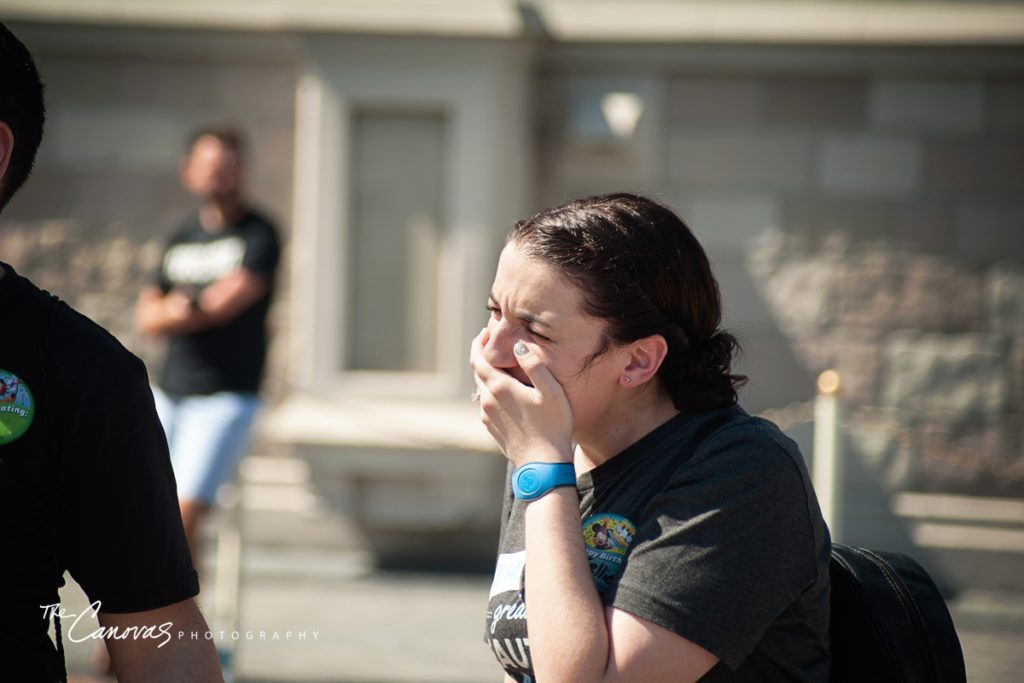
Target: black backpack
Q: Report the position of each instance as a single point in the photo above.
(889, 621)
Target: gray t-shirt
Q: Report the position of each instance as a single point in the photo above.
(728, 549)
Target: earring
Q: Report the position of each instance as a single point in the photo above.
(627, 379)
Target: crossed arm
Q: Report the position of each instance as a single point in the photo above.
(220, 302)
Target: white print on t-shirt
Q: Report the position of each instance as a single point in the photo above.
(512, 652)
(510, 611)
(508, 574)
(200, 264)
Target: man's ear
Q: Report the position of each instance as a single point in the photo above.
(6, 148)
(645, 358)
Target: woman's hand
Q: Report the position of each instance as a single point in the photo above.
(530, 423)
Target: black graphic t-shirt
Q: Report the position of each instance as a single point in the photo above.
(729, 550)
(230, 357)
(86, 484)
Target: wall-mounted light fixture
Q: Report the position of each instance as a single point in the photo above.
(622, 111)
(603, 111)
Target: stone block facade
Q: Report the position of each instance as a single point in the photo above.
(963, 375)
(762, 160)
(871, 166)
(938, 106)
(930, 351)
(876, 201)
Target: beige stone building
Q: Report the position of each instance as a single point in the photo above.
(855, 169)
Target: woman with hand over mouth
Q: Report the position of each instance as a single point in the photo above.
(652, 530)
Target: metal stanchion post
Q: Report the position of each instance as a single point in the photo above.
(828, 452)
(227, 587)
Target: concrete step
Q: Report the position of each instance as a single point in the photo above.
(275, 506)
(286, 525)
(971, 542)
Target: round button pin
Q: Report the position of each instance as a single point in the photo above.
(17, 407)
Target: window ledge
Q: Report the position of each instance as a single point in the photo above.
(376, 422)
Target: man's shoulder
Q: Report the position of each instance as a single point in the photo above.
(83, 345)
(258, 222)
(76, 348)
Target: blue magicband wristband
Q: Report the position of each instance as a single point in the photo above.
(534, 479)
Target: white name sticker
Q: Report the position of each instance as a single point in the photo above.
(508, 574)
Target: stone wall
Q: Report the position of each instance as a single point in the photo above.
(929, 351)
(893, 187)
(918, 151)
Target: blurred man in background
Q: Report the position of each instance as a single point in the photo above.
(210, 299)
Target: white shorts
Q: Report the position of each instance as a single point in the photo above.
(207, 436)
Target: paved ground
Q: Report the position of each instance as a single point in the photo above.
(371, 628)
(326, 616)
(991, 629)
(347, 626)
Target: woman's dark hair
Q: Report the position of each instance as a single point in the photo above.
(641, 270)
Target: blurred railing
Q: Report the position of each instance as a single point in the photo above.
(968, 540)
(828, 466)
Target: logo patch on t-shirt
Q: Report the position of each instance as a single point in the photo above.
(607, 538)
(201, 264)
(17, 407)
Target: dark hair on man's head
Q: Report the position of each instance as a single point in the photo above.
(21, 108)
(230, 137)
(642, 271)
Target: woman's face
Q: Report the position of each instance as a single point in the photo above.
(531, 301)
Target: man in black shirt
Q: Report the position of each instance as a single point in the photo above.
(85, 479)
(210, 299)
